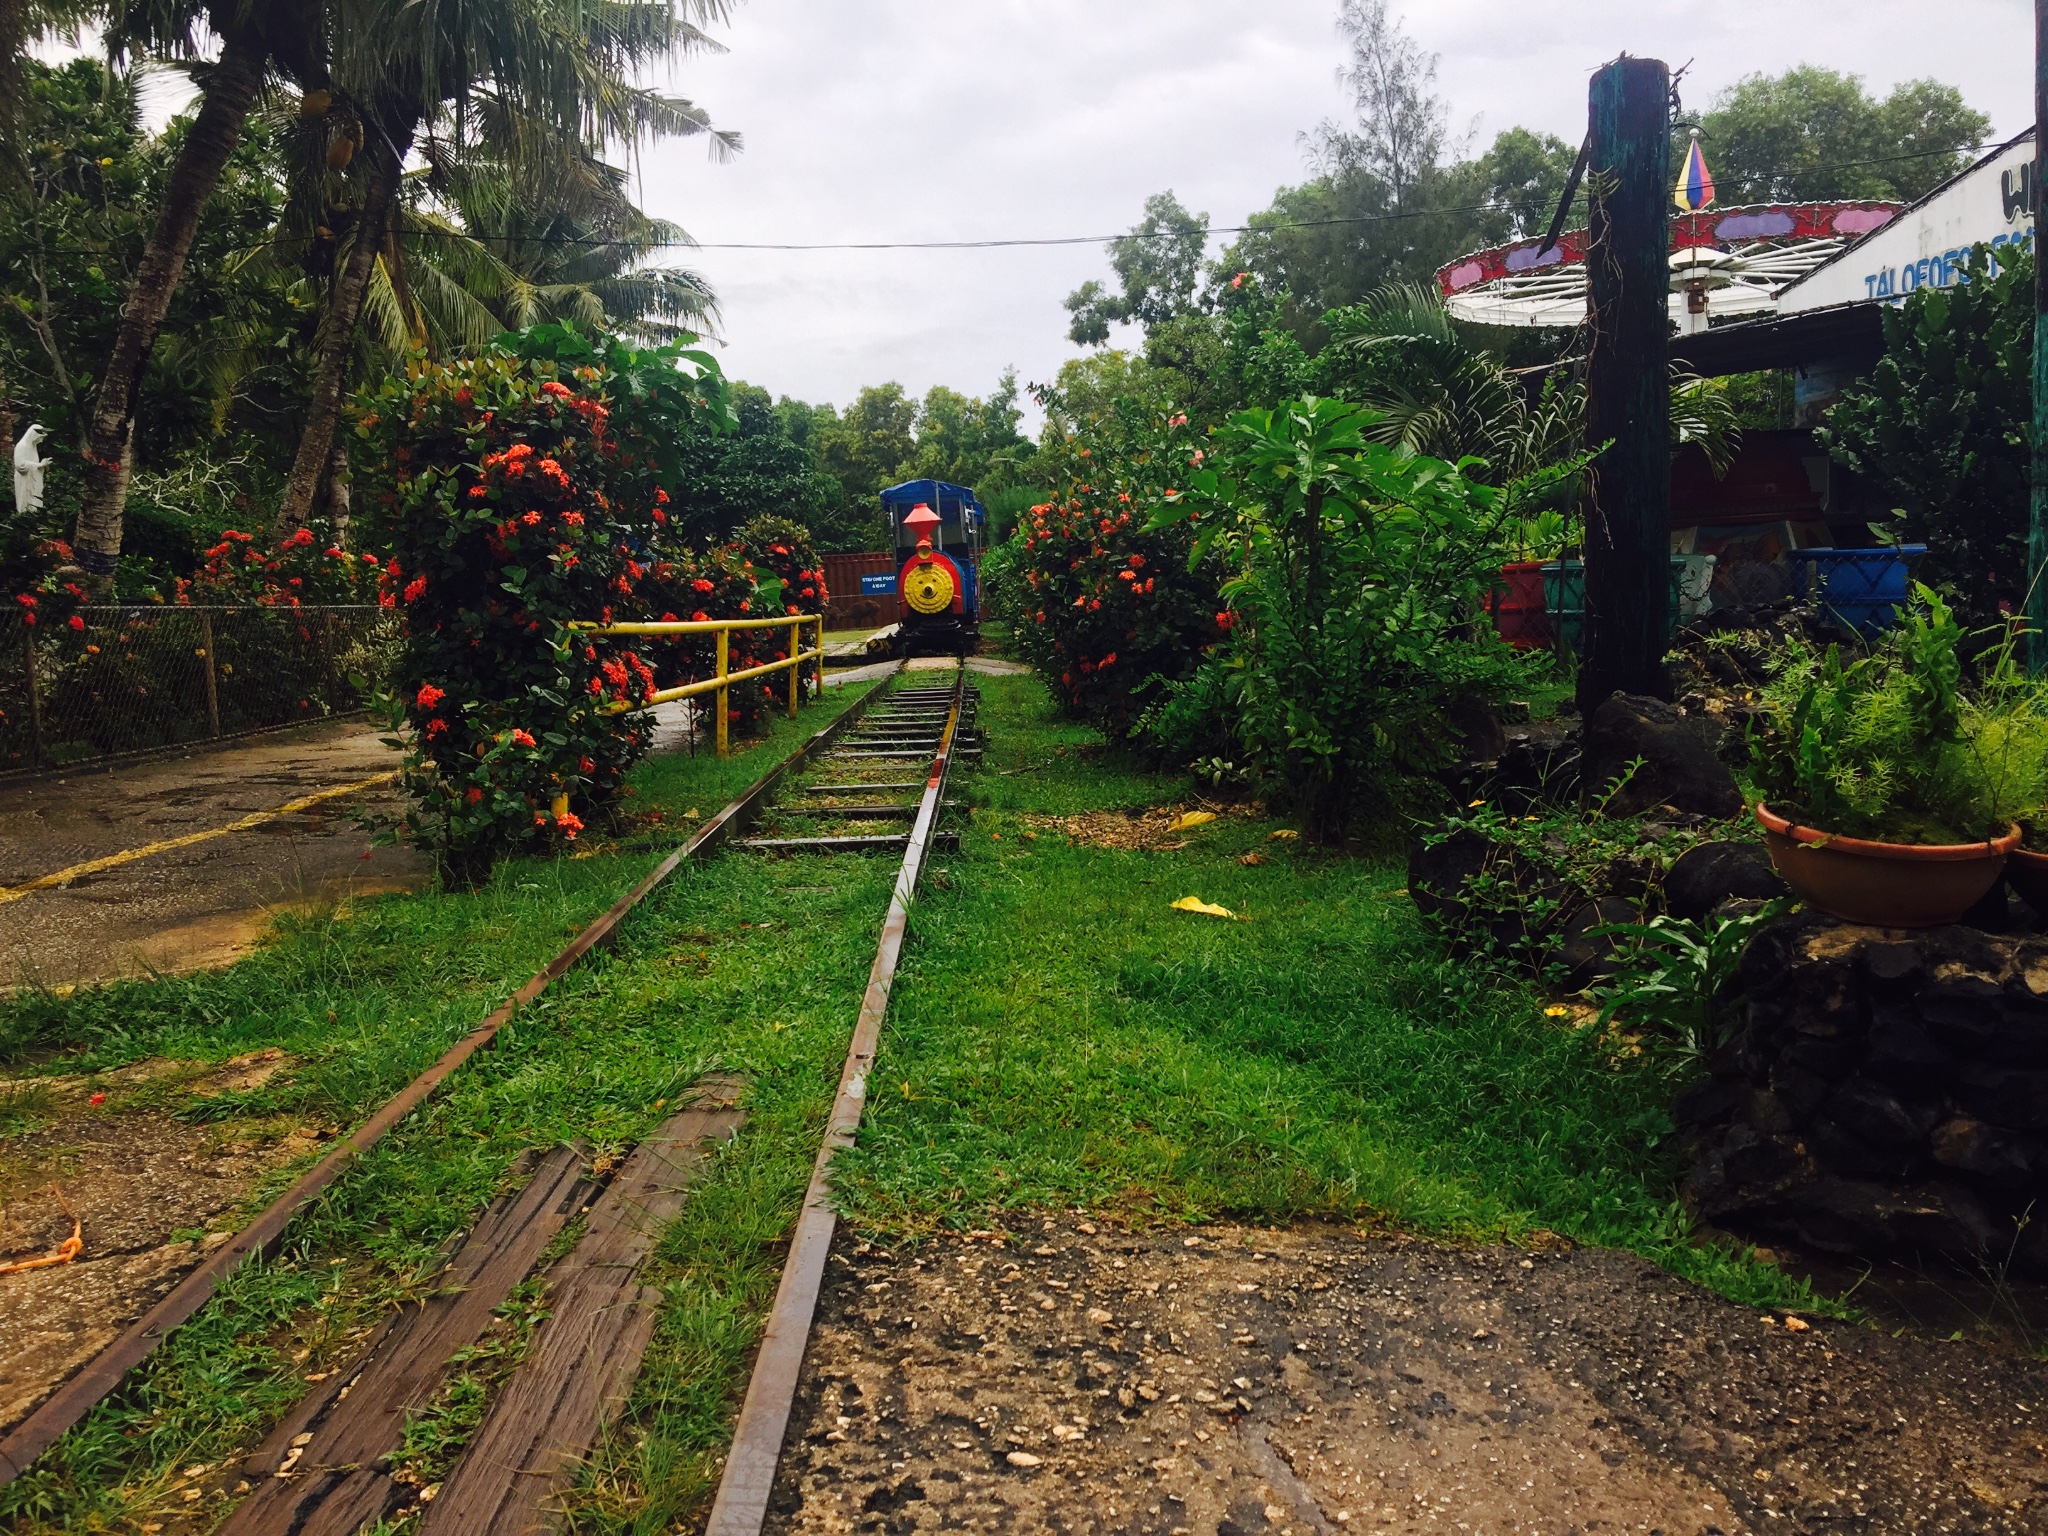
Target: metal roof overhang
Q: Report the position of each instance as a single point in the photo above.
(1849, 332)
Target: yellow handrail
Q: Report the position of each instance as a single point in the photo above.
(723, 681)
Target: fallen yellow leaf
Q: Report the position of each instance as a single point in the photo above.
(1284, 835)
(1206, 908)
(1188, 819)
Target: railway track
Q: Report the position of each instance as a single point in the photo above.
(874, 780)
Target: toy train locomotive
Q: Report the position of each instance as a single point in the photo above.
(936, 532)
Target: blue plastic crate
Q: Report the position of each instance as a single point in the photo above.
(1861, 587)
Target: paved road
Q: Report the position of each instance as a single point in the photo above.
(195, 906)
(203, 905)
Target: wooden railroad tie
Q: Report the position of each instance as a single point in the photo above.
(524, 1457)
(327, 1468)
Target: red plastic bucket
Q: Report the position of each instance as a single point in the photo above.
(1516, 604)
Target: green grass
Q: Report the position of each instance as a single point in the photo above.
(740, 965)
(1060, 1036)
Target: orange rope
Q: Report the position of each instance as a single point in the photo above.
(63, 1253)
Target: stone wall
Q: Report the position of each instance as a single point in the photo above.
(1886, 1094)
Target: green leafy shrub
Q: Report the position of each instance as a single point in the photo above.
(1677, 977)
(1107, 604)
(1943, 423)
(1899, 744)
(1352, 621)
(518, 493)
(1516, 880)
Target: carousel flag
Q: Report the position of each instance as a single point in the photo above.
(1695, 182)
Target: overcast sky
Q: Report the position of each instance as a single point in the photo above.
(974, 119)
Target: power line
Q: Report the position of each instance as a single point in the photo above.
(1268, 227)
(1167, 234)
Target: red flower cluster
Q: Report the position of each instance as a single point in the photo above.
(508, 487)
(239, 570)
(1108, 607)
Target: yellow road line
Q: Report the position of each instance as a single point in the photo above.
(253, 819)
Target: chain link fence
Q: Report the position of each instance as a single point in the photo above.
(143, 678)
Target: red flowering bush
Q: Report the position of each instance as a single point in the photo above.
(718, 583)
(298, 570)
(517, 493)
(1108, 611)
(49, 600)
(781, 552)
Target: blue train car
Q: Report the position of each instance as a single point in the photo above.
(936, 533)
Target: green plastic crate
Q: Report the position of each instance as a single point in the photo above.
(1564, 595)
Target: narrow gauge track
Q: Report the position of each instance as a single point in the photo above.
(262, 1236)
(330, 1468)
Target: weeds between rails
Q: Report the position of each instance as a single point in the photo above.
(352, 996)
(1059, 1037)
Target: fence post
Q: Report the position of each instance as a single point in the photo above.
(821, 655)
(328, 681)
(212, 687)
(796, 667)
(724, 636)
(35, 695)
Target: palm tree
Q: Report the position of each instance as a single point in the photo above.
(480, 249)
(1443, 396)
(254, 35)
(556, 68)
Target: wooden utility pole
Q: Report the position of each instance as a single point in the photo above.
(2037, 528)
(1628, 391)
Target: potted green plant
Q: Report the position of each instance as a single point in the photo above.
(1889, 784)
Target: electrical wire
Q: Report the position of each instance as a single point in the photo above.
(1267, 227)
(1162, 234)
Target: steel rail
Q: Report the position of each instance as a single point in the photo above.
(749, 1477)
(106, 1370)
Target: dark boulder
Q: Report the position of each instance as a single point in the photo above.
(1477, 736)
(2011, 1097)
(1877, 1116)
(1801, 1091)
(1584, 951)
(1984, 1151)
(1710, 873)
(1679, 763)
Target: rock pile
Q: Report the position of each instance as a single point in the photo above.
(1886, 1093)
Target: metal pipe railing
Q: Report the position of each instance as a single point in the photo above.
(722, 682)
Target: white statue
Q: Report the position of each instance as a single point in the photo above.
(28, 470)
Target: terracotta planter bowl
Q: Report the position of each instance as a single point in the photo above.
(1884, 885)
(2027, 873)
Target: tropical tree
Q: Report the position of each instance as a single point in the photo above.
(255, 35)
(478, 243)
(534, 72)
(218, 399)
(1814, 133)
(1432, 391)
(1158, 267)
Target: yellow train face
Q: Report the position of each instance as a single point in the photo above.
(928, 588)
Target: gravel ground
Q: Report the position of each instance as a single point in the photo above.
(152, 1195)
(1318, 1380)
